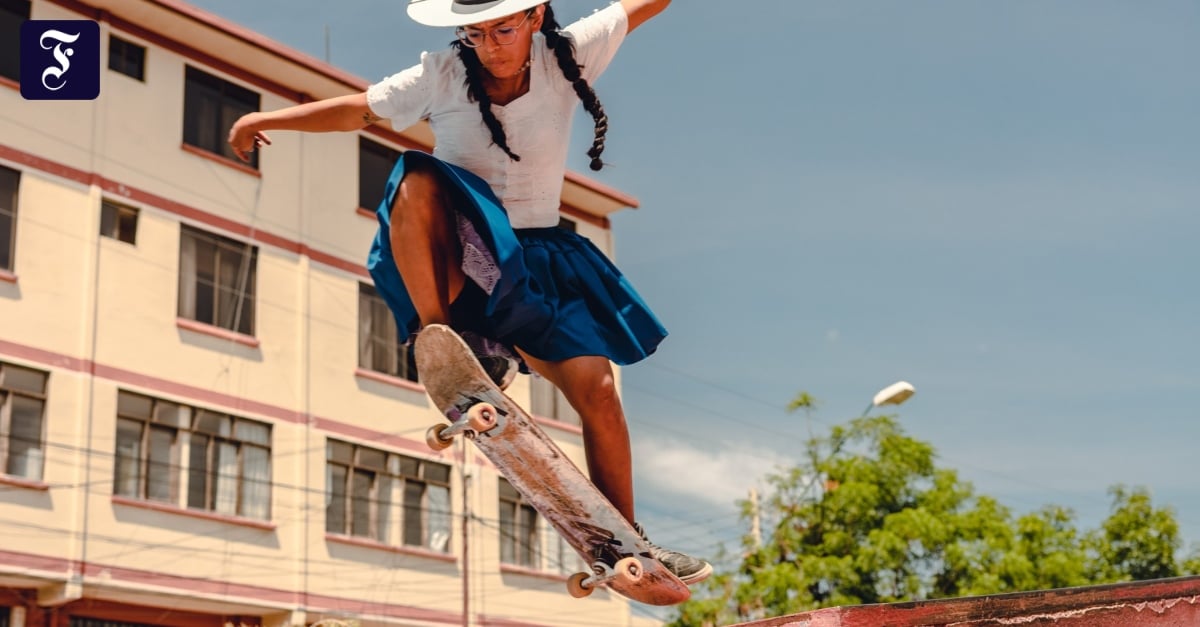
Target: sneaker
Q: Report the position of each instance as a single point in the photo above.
(501, 370)
(497, 361)
(689, 569)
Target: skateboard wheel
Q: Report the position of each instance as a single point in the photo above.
(628, 570)
(575, 585)
(481, 417)
(434, 439)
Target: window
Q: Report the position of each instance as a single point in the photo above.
(216, 280)
(518, 528)
(13, 13)
(367, 489)
(380, 347)
(548, 402)
(148, 447)
(166, 451)
(210, 107)
(118, 221)
(126, 57)
(9, 182)
(22, 420)
(375, 163)
(4, 612)
(229, 465)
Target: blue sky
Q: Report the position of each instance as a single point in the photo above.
(996, 201)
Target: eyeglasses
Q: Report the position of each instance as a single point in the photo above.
(502, 35)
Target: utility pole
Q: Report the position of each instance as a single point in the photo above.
(755, 520)
(466, 534)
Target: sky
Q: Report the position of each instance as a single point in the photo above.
(995, 201)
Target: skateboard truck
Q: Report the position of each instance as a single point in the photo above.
(627, 571)
(480, 418)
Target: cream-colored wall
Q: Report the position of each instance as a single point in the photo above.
(95, 300)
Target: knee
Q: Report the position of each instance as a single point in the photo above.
(419, 196)
(601, 397)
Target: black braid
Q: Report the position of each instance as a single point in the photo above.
(477, 93)
(564, 52)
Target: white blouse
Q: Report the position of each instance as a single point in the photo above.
(537, 125)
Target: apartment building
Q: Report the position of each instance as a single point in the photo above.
(207, 418)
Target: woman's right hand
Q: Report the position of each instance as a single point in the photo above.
(245, 136)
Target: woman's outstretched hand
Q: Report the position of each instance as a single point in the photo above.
(245, 137)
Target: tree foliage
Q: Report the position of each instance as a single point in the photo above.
(870, 517)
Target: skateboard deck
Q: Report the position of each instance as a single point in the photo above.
(620, 559)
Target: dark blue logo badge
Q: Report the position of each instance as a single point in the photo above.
(60, 60)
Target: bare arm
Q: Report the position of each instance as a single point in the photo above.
(639, 11)
(344, 113)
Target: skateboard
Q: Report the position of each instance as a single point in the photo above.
(476, 409)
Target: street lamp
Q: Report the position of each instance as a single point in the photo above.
(893, 394)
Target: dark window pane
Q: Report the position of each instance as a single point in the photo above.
(160, 471)
(414, 493)
(118, 221)
(335, 508)
(12, 14)
(210, 107)
(126, 57)
(375, 163)
(360, 491)
(9, 182)
(198, 472)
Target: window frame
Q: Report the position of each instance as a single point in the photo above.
(118, 211)
(9, 392)
(518, 519)
(119, 49)
(371, 187)
(9, 210)
(389, 525)
(189, 295)
(201, 88)
(374, 313)
(11, 44)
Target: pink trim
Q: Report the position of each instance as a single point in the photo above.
(167, 508)
(559, 425)
(513, 569)
(28, 484)
(388, 379)
(122, 191)
(366, 213)
(43, 357)
(221, 159)
(377, 438)
(234, 403)
(9, 83)
(368, 543)
(7, 277)
(217, 332)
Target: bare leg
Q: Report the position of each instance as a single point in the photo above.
(590, 387)
(425, 244)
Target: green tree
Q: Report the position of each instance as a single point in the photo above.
(1136, 541)
(868, 516)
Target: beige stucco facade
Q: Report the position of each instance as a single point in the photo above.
(100, 317)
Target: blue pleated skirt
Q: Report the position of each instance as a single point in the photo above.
(549, 292)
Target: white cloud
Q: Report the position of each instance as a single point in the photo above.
(716, 477)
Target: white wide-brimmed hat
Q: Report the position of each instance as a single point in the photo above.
(463, 12)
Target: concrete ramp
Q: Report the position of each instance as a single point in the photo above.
(1158, 603)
